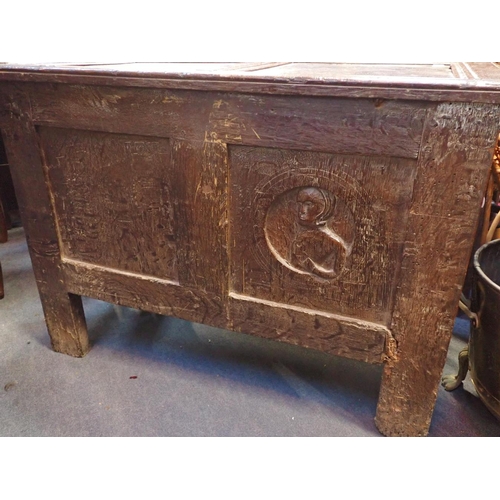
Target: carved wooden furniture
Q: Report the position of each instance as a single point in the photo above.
(330, 206)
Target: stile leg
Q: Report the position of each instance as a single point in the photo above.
(407, 396)
(63, 311)
(66, 323)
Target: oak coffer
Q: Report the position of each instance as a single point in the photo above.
(331, 206)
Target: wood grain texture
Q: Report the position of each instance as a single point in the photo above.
(318, 205)
(63, 311)
(373, 196)
(200, 171)
(439, 82)
(112, 196)
(145, 112)
(143, 292)
(330, 333)
(365, 126)
(456, 153)
(325, 332)
(465, 176)
(331, 125)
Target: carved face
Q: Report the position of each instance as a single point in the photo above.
(311, 204)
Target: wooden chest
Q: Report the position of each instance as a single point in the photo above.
(326, 205)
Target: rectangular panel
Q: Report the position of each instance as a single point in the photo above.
(112, 198)
(319, 231)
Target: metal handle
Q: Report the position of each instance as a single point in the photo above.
(464, 305)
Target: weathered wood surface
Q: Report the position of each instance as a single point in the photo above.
(63, 311)
(372, 196)
(452, 173)
(454, 82)
(339, 335)
(331, 222)
(200, 171)
(112, 198)
(331, 125)
(143, 292)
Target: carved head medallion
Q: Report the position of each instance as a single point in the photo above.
(310, 231)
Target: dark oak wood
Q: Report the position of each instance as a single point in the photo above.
(143, 292)
(372, 196)
(453, 82)
(367, 126)
(201, 190)
(331, 333)
(455, 161)
(329, 206)
(90, 217)
(63, 311)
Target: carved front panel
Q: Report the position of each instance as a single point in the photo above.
(318, 231)
(112, 197)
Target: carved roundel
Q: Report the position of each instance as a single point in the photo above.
(310, 230)
(309, 219)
